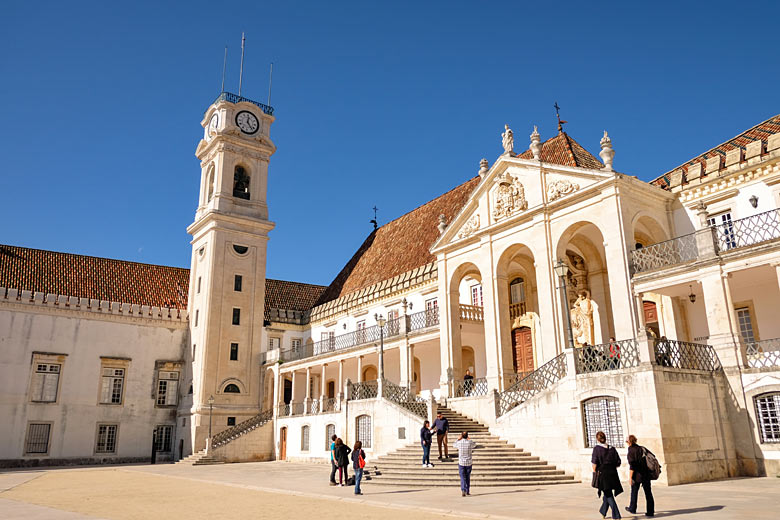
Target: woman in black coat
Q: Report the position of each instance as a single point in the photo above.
(605, 462)
(342, 460)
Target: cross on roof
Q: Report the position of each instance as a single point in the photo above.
(558, 115)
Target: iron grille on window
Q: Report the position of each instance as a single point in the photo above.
(106, 438)
(330, 431)
(305, 438)
(768, 415)
(162, 439)
(363, 428)
(603, 414)
(37, 438)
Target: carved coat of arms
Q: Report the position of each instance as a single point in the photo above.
(509, 197)
(559, 188)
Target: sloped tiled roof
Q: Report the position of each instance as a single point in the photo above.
(294, 296)
(398, 246)
(761, 131)
(92, 277)
(565, 151)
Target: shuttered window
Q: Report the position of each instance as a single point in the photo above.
(167, 388)
(45, 382)
(112, 385)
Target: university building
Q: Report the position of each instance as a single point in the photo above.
(546, 298)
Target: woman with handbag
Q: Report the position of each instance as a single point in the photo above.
(342, 460)
(605, 460)
(358, 463)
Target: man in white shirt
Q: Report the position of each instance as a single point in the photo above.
(465, 447)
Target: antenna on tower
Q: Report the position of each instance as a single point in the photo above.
(241, 72)
(224, 66)
(270, 82)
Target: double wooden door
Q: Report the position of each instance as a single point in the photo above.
(522, 350)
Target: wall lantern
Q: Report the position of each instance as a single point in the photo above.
(691, 296)
(753, 201)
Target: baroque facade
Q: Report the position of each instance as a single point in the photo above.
(578, 297)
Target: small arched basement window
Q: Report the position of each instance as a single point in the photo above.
(240, 183)
(231, 389)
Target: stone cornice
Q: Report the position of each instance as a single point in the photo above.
(711, 188)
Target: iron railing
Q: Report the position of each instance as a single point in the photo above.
(298, 409)
(424, 319)
(749, 231)
(513, 379)
(234, 98)
(363, 390)
(470, 387)
(329, 405)
(284, 410)
(402, 396)
(241, 428)
(342, 341)
(471, 313)
(314, 406)
(682, 354)
(663, 254)
(762, 354)
(538, 380)
(607, 356)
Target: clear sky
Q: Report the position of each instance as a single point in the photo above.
(377, 104)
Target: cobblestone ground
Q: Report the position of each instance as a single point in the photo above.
(285, 490)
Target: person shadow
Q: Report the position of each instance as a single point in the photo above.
(675, 512)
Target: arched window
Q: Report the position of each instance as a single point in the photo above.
(240, 183)
(602, 414)
(305, 438)
(768, 417)
(363, 429)
(231, 389)
(330, 431)
(517, 290)
(210, 184)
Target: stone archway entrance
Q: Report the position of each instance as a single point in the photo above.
(523, 350)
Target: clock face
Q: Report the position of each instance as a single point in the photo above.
(247, 122)
(213, 124)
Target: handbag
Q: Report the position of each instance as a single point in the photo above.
(595, 481)
(361, 460)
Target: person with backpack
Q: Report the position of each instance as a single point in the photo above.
(605, 460)
(643, 469)
(342, 460)
(358, 463)
(426, 438)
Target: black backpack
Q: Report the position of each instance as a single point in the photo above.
(653, 466)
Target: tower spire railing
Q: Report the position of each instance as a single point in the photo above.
(235, 98)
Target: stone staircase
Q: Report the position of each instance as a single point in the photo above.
(496, 462)
(199, 459)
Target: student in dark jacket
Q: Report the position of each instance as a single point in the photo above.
(342, 460)
(638, 476)
(357, 455)
(605, 460)
(426, 438)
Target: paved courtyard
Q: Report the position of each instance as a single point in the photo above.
(279, 489)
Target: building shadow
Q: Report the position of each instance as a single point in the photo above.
(675, 512)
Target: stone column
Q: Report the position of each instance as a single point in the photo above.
(294, 394)
(777, 269)
(404, 361)
(720, 317)
(498, 358)
(307, 400)
(413, 385)
(277, 391)
(341, 381)
(323, 388)
(360, 369)
(645, 345)
(449, 328)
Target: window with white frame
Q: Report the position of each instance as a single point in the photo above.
(167, 388)
(112, 385)
(106, 438)
(162, 437)
(768, 417)
(330, 431)
(725, 229)
(360, 332)
(37, 438)
(431, 312)
(602, 414)
(745, 324)
(517, 291)
(363, 430)
(305, 438)
(273, 343)
(45, 382)
(295, 344)
(393, 323)
(328, 340)
(476, 295)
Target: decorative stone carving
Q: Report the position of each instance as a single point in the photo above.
(509, 197)
(483, 167)
(470, 227)
(508, 141)
(559, 188)
(442, 223)
(536, 144)
(607, 153)
(582, 320)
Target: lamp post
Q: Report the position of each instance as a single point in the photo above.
(381, 321)
(211, 407)
(561, 269)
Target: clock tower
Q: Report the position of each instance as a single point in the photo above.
(227, 275)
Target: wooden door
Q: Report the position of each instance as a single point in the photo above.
(283, 444)
(522, 350)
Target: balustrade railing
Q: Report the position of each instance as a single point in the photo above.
(663, 254)
(284, 410)
(402, 396)
(607, 356)
(471, 313)
(329, 405)
(424, 319)
(516, 309)
(538, 380)
(513, 379)
(343, 341)
(234, 98)
(225, 436)
(763, 354)
(363, 390)
(749, 231)
(682, 354)
(298, 409)
(470, 387)
(314, 406)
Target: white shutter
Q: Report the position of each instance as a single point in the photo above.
(49, 390)
(172, 392)
(105, 389)
(38, 382)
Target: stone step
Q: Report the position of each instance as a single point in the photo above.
(479, 450)
(436, 473)
(407, 465)
(503, 459)
(476, 480)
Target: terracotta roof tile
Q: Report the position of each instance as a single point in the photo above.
(398, 246)
(565, 151)
(761, 131)
(295, 296)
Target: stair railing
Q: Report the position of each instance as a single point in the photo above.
(241, 428)
(541, 378)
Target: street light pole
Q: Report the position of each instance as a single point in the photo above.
(561, 269)
(211, 407)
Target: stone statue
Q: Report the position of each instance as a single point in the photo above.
(442, 223)
(508, 141)
(582, 320)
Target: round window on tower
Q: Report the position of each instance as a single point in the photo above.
(241, 250)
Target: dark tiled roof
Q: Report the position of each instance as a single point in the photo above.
(761, 131)
(565, 151)
(295, 296)
(398, 246)
(91, 277)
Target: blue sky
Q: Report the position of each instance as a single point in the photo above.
(377, 104)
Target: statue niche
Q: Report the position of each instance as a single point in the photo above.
(509, 197)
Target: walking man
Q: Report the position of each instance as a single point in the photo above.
(638, 475)
(442, 426)
(465, 448)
